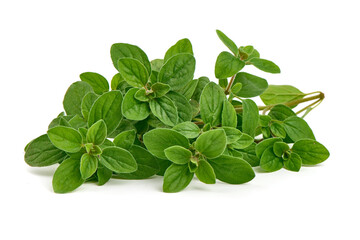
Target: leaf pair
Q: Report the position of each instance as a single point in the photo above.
(274, 154)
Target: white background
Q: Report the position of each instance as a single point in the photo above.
(45, 45)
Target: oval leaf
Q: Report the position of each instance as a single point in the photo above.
(41, 152)
(73, 97)
(211, 103)
(157, 140)
(182, 105)
(232, 170)
(188, 129)
(228, 42)
(99, 84)
(228, 116)
(132, 108)
(205, 173)
(310, 151)
(118, 160)
(88, 165)
(182, 46)
(176, 178)
(164, 109)
(251, 85)
(250, 119)
(211, 143)
(297, 128)
(265, 65)
(178, 71)
(227, 65)
(65, 138)
(97, 133)
(178, 154)
(67, 176)
(133, 71)
(269, 161)
(276, 94)
(108, 108)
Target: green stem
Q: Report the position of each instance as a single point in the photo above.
(317, 97)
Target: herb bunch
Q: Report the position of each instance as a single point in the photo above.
(158, 119)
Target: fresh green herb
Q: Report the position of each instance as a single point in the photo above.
(154, 118)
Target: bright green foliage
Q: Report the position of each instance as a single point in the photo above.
(276, 94)
(310, 151)
(227, 65)
(97, 133)
(41, 152)
(134, 109)
(178, 154)
(65, 138)
(265, 65)
(182, 46)
(99, 84)
(108, 108)
(211, 144)
(176, 178)
(158, 120)
(67, 176)
(211, 103)
(251, 85)
(178, 71)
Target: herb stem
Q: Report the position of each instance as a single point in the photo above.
(319, 97)
(227, 90)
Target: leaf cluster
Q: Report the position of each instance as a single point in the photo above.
(155, 118)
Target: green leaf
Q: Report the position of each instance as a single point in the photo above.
(297, 128)
(244, 141)
(232, 170)
(281, 112)
(265, 144)
(118, 160)
(125, 139)
(97, 133)
(227, 65)
(278, 129)
(141, 95)
(87, 103)
(76, 122)
(212, 143)
(147, 164)
(182, 46)
(250, 119)
(123, 126)
(88, 165)
(188, 129)
(156, 64)
(202, 82)
(67, 176)
(178, 154)
(178, 71)
(157, 140)
(205, 173)
(276, 94)
(265, 65)
(293, 163)
(211, 103)
(133, 71)
(124, 50)
(65, 138)
(73, 97)
(269, 161)
(99, 84)
(182, 105)
(117, 81)
(279, 148)
(310, 151)
(103, 174)
(40, 152)
(188, 90)
(160, 89)
(164, 109)
(251, 85)
(132, 108)
(177, 178)
(265, 120)
(249, 155)
(108, 108)
(236, 88)
(228, 42)
(228, 116)
(232, 134)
